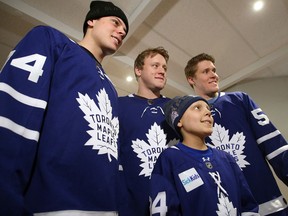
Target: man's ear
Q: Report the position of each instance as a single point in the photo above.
(138, 72)
(190, 80)
(90, 22)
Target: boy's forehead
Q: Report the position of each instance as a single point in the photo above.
(200, 103)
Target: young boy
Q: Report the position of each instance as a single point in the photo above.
(191, 178)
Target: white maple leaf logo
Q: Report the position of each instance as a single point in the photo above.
(149, 152)
(235, 146)
(105, 128)
(225, 207)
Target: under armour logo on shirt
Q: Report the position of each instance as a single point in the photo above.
(205, 159)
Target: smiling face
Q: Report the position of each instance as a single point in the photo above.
(152, 75)
(196, 120)
(108, 33)
(205, 80)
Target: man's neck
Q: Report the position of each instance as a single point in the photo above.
(93, 49)
(207, 96)
(149, 94)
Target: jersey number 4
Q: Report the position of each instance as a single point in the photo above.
(159, 204)
(32, 63)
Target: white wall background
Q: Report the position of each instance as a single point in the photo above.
(272, 96)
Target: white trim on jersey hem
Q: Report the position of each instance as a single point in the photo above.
(34, 102)
(77, 213)
(272, 206)
(249, 214)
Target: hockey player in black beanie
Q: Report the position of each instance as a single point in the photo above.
(100, 9)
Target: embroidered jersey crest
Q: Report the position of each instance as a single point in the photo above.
(149, 152)
(235, 146)
(105, 127)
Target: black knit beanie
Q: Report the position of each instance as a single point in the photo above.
(100, 9)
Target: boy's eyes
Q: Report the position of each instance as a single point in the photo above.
(199, 107)
(195, 107)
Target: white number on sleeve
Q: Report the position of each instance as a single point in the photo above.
(36, 69)
(263, 119)
(159, 204)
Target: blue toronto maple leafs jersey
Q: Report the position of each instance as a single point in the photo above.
(144, 134)
(58, 129)
(189, 182)
(242, 129)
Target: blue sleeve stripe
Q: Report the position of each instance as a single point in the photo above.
(18, 129)
(268, 136)
(277, 152)
(34, 102)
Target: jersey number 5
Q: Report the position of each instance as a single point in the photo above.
(259, 115)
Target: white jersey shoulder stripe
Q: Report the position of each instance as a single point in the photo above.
(21, 97)
(18, 129)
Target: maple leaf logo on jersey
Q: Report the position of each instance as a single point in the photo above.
(149, 152)
(225, 207)
(235, 146)
(105, 128)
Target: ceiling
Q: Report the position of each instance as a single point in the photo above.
(246, 44)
